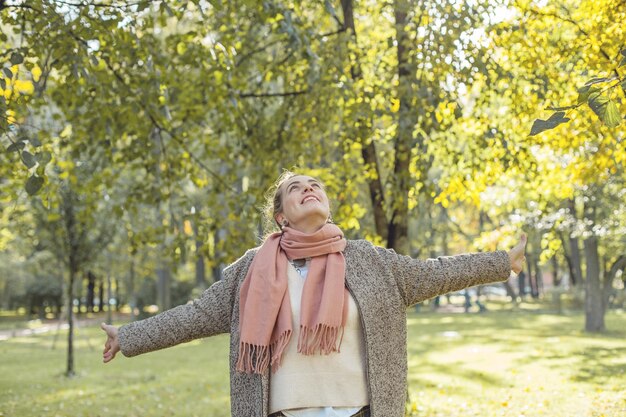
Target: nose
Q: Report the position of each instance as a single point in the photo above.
(307, 188)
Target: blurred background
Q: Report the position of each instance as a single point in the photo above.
(139, 140)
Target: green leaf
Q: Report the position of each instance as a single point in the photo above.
(16, 147)
(542, 125)
(44, 157)
(167, 8)
(598, 103)
(562, 108)
(623, 52)
(28, 159)
(34, 141)
(7, 72)
(330, 9)
(612, 117)
(33, 184)
(585, 92)
(622, 62)
(597, 80)
(3, 84)
(16, 58)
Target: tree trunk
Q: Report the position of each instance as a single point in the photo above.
(116, 283)
(618, 265)
(556, 277)
(538, 280)
(521, 284)
(510, 291)
(70, 321)
(73, 256)
(529, 275)
(131, 287)
(574, 249)
(200, 267)
(398, 228)
(368, 147)
(109, 292)
(101, 296)
(532, 280)
(91, 291)
(594, 311)
(576, 261)
(164, 282)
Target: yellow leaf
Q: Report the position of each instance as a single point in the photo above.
(36, 72)
(395, 105)
(187, 228)
(67, 131)
(11, 117)
(24, 87)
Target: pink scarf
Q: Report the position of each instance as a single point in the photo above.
(264, 308)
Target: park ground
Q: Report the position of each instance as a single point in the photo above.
(521, 363)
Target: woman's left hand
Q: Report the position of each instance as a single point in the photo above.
(516, 255)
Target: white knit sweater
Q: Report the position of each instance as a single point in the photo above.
(309, 384)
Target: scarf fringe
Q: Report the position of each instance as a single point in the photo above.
(323, 338)
(255, 359)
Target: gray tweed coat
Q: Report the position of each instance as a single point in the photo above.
(383, 285)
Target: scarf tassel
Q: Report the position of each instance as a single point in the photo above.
(257, 358)
(322, 338)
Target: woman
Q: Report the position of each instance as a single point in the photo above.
(317, 323)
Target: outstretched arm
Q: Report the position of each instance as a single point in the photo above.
(419, 280)
(206, 316)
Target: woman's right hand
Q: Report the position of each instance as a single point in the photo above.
(111, 346)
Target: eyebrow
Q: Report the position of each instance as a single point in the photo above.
(310, 181)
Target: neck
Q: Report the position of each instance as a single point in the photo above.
(307, 228)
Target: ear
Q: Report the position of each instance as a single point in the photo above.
(279, 218)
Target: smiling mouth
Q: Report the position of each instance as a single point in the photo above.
(309, 198)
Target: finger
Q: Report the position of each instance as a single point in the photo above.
(108, 356)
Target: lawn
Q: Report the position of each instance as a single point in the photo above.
(500, 363)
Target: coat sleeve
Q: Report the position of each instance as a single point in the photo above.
(205, 316)
(419, 280)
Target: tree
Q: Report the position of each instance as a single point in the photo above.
(575, 174)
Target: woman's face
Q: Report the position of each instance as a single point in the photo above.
(304, 204)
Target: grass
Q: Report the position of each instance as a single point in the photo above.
(515, 364)
(495, 364)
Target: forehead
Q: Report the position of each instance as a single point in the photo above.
(300, 179)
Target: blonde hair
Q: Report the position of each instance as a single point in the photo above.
(274, 200)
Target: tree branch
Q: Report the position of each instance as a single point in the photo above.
(122, 6)
(578, 26)
(3, 6)
(154, 120)
(284, 94)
